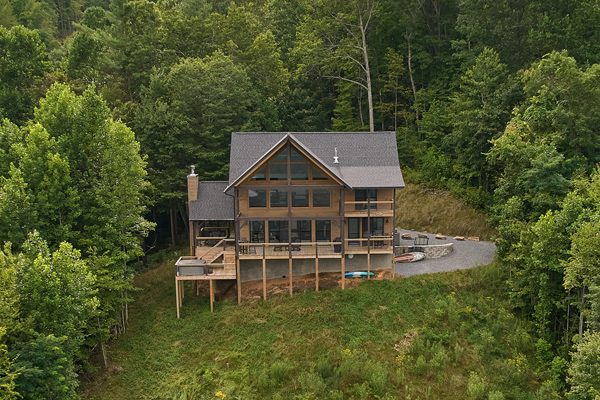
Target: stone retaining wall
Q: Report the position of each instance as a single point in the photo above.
(431, 251)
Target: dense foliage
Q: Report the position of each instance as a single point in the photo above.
(496, 101)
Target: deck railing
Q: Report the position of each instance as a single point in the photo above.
(282, 250)
(375, 244)
(376, 205)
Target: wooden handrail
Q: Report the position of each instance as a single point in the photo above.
(372, 202)
(286, 243)
(211, 249)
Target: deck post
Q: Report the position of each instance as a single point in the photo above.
(289, 204)
(369, 234)
(212, 293)
(236, 208)
(264, 272)
(177, 295)
(393, 234)
(192, 237)
(291, 280)
(343, 272)
(343, 234)
(317, 266)
(239, 280)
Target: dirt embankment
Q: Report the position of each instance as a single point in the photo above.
(227, 290)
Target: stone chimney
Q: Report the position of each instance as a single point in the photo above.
(192, 183)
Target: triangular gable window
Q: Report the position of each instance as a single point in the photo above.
(302, 168)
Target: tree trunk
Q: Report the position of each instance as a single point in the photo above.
(184, 217)
(412, 79)
(368, 74)
(581, 312)
(172, 218)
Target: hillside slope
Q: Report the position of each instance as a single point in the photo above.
(448, 335)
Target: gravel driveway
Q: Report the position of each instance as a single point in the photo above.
(467, 254)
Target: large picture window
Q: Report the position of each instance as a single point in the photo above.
(257, 231)
(278, 198)
(300, 198)
(317, 175)
(323, 231)
(278, 172)
(321, 198)
(278, 231)
(301, 231)
(299, 172)
(257, 198)
(260, 175)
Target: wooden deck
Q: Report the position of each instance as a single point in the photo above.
(189, 268)
(280, 251)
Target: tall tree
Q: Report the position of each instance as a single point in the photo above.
(333, 40)
(187, 116)
(479, 112)
(23, 60)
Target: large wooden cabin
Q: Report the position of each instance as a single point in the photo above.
(295, 204)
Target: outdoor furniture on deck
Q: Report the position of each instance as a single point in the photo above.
(243, 246)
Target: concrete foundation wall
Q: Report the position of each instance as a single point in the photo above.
(251, 270)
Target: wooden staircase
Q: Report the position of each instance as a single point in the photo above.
(215, 253)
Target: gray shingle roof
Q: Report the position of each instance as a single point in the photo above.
(212, 203)
(366, 159)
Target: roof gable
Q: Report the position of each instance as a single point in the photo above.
(366, 159)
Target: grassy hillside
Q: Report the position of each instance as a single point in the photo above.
(443, 336)
(437, 211)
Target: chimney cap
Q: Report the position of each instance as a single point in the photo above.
(192, 174)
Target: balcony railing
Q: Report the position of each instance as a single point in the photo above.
(375, 244)
(375, 206)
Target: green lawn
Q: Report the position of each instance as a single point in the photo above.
(440, 336)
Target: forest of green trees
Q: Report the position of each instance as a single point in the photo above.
(104, 105)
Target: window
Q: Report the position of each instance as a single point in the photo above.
(257, 231)
(257, 198)
(300, 198)
(278, 198)
(317, 174)
(365, 195)
(299, 172)
(281, 157)
(278, 231)
(278, 172)
(323, 231)
(301, 231)
(376, 226)
(321, 198)
(296, 157)
(354, 231)
(260, 175)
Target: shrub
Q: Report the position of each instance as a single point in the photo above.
(279, 371)
(475, 386)
(458, 352)
(420, 365)
(439, 360)
(496, 395)
(377, 377)
(311, 382)
(325, 368)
